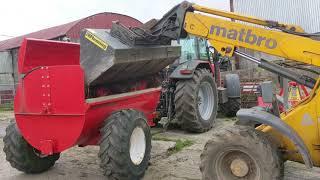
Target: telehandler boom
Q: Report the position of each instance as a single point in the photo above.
(242, 151)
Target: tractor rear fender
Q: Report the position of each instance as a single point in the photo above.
(186, 70)
(254, 115)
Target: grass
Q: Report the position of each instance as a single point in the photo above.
(159, 138)
(179, 146)
(6, 107)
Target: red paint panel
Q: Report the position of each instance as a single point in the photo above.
(35, 53)
(101, 110)
(62, 130)
(52, 109)
(58, 89)
(67, 90)
(50, 101)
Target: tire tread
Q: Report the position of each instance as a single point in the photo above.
(250, 138)
(186, 103)
(20, 154)
(113, 145)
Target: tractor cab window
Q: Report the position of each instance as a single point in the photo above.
(193, 48)
(203, 51)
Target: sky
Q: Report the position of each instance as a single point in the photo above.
(19, 17)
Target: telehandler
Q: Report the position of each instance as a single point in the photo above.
(240, 151)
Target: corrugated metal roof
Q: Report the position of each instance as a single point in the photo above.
(101, 21)
(49, 33)
(299, 12)
(72, 29)
(5, 62)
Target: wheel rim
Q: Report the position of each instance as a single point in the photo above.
(205, 100)
(236, 164)
(137, 145)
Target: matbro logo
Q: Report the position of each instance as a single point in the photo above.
(246, 36)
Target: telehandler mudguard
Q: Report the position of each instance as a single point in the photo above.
(249, 115)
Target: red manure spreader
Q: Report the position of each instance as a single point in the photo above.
(62, 100)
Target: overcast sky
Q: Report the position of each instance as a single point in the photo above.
(20, 17)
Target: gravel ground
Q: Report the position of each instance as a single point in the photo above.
(6, 115)
(83, 163)
(5, 118)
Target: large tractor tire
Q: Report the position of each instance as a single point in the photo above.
(241, 152)
(232, 106)
(125, 145)
(196, 102)
(23, 156)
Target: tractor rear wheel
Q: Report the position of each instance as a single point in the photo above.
(22, 156)
(196, 102)
(241, 152)
(125, 145)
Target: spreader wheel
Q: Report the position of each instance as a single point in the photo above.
(23, 156)
(240, 152)
(125, 145)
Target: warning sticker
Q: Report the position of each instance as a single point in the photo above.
(96, 40)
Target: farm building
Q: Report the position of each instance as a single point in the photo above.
(67, 32)
(299, 12)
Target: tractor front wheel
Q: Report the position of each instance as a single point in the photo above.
(125, 145)
(241, 152)
(22, 155)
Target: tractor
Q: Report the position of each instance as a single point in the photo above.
(192, 90)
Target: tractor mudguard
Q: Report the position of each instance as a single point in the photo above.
(232, 83)
(189, 67)
(247, 115)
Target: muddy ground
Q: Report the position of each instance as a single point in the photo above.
(83, 163)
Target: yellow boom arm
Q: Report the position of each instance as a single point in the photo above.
(226, 35)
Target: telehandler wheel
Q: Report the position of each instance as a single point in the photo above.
(196, 102)
(23, 156)
(125, 145)
(241, 152)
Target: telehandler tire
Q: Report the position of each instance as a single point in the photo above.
(241, 152)
(23, 156)
(125, 145)
(196, 102)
